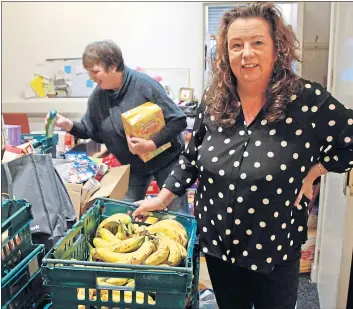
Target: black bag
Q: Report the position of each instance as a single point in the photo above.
(34, 178)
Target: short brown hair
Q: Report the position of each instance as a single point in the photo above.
(222, 97)
(106, 53)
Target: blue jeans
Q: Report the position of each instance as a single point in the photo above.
(139, 184)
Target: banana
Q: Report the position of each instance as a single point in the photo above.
(130, 283)
(128, 297)
(174, 257)
(151, 220)
(180, 228)
(160, 255)
(183, 251)
(171, 231)
(124, 218)
(177, 224)
(108, 255)
(80, 293)
(141, 254)
(138, 229)
(101, 280)
(129, 245)
(119, 224)
(117, 281)
(92, 294)
(101, 243)
(93, 255)
(121, 235)
(106, 235)
(115, 219)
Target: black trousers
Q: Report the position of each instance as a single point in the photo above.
(239, 288)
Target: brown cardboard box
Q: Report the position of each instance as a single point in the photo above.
(113, 185)
(144, 121)
(74, 190)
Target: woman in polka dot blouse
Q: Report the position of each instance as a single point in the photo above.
(261, 137)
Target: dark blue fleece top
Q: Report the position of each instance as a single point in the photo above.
(102, 120)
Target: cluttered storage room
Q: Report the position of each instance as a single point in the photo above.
(177, 155)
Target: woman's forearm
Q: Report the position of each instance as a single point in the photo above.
(166, 196)
(316, 171)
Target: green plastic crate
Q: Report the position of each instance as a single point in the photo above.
(23, 286)
(16, 238)
(42, 144)
(169, 286)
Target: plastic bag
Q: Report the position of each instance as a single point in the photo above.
(207, 300)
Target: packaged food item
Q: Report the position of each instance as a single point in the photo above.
(83, 168)
(91, 186)
(14, 152)
(144, 121)
(50, 126)
(308, 252)
(111, 161)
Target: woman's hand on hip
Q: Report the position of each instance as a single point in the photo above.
(306, 190)
(139, 146)
(316, 171)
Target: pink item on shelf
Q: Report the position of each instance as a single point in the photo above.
(13, 134)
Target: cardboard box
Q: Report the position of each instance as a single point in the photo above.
(74, 190)
(144, 121)
(113, 185)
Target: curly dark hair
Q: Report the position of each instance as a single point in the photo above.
(222, 98)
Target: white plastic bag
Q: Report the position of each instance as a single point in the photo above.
(208, 300)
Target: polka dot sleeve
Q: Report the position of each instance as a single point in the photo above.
(334, 132)
(185, 171)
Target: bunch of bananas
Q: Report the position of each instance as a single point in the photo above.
(119, 241)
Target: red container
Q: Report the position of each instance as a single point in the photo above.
(153, 188)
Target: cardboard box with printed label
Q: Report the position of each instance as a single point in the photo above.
(144, 121)
(113, 185)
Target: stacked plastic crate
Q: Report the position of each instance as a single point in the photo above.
(21, 281)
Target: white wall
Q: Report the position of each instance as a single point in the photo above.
(151, 35)
(316, 23)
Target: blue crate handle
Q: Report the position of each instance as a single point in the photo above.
(42, 141)
(135, 206)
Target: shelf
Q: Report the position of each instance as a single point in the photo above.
(42, 106)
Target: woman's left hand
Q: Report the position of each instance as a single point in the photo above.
(316, 171)
(139, 146)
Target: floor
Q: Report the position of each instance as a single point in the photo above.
(307, 294)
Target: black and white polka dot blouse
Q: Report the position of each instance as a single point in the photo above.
(249, 177)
